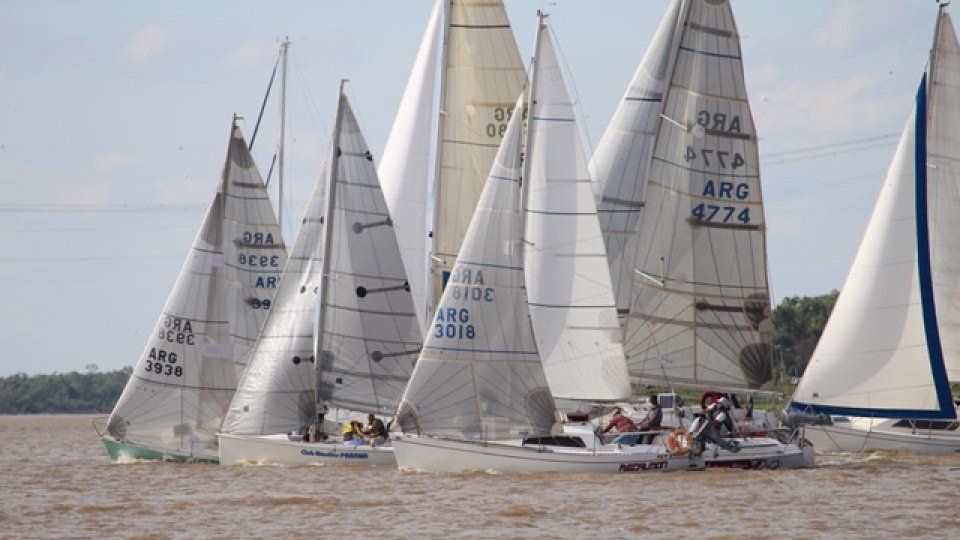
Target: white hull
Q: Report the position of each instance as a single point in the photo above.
(280, 450)
(860, 436)
(449, 455)
(761, 453)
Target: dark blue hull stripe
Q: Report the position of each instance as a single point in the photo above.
(911, 414)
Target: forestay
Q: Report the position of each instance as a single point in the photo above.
(479, 374)
(483, 75)
(880, 353)
(621, 162)
(405, 166)
(700, 305)
(180, 388)
(277, 393)
(568, 283)
(370, 336)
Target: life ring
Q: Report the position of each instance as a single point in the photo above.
(679, 442)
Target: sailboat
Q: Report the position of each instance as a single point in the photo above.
(527, 316)
(681, 207)
(443, 144)
(879, 378)
(178, 393)
(345, 277)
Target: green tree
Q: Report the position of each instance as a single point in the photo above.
(90, 392)
(798, 322)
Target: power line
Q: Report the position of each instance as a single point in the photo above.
(86, 259)
(41, 230)
(48, 208)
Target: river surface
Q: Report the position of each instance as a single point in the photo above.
(56, 481)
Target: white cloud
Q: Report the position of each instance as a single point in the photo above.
(843, 27)
(146, 44)
(835, 106)
(113, 161)
(250, 54)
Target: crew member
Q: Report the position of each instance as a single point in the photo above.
(375, 431)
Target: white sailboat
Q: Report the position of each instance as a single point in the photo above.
(681, 207)
(177, 396)
(347, 277)
(880, 376)
(442, 145)
(519, 319)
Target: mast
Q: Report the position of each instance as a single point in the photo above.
(327, 234)
(525, 175)
(441, 112)
(284, 49)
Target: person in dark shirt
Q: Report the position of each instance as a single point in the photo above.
(375, 431)
(652, 420)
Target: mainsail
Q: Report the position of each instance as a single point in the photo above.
(621, 162)
(180, 389)
(881, 352)
(700, 302)
(479, 374)
(370, 337)
(481, 74)
(571, 302)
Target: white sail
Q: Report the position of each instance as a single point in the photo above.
(568, 281)
(481, 78)
(621, 162)
(405, 166)
(943, 189)
(277, 393)
(180, 389)
(370, 336)
(479, 375)
(700, 305)
(880, 353)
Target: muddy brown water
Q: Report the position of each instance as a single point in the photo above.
(56, 481)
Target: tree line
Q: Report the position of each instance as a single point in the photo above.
(798, 322)
(74, 392)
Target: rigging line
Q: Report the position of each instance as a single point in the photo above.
(270, 172)
(85, 259)
(819, 147)
(827, 154)
(34, 208)
(263, 105)
(577, 102)
(104, 228)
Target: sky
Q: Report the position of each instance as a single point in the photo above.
(114, 119)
